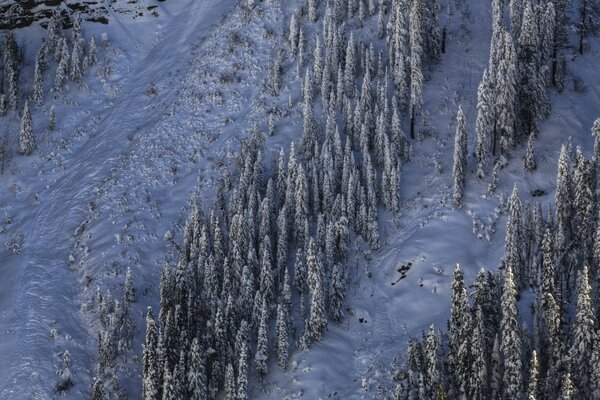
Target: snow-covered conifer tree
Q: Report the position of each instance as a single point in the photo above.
(460, 158)
(512, 381)
(261, 357)
(317, 323)
(529, 161)
(37, 96)
(26, 139)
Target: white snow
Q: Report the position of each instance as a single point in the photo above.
(99, 194)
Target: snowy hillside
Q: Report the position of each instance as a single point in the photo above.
(248, 169)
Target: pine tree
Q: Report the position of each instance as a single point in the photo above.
(281, 337)
(151, 365)
(261, 357)
(98, 390)
(583, 336)
(416, 54)
(460, 333)
(37, 96)
(92, 57)
(596, 135)
(511, 340)
(506, 94)
(242, 377)
(432, 349)
(62, 69)
(460, 158)
(484, 123)
(312, 11)
(129, 290)
(197, 387)
(534, 375)
(317, 323)
(337, 294)
(26, 140)
(230, 385)
(567, 391)
(529, 161)
(514, 237)
(52, 119)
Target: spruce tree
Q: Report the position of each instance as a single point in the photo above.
(52, 119)
(529, 161)
(317, 323)
(37, 96)
(534, 376)
(281, 337)
(242, 376)
(512, 380)
(26, 140)
(197, 382)
(583, 336)
(261, 357)
(416, 55)
(151, 366)
(460, 158)
(515, 237)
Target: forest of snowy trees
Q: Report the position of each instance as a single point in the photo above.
(58, 60)
(263, 270)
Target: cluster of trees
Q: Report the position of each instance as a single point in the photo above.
(512, 96)
(489, 352)
(265, 268)
(70, 64)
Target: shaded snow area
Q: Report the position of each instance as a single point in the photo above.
(161, 117)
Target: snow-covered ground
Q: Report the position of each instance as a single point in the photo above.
(100, 192)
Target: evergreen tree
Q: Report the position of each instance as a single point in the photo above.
(416, 54)
(151, 365)
(337, 294)
(312, 11)
(317, 323)
(514, 237)
(37, 96)
(567, 391)
(62, 69)
(512, 381)
(583, 336)
(129, 290)
(596, 135)
(197, 387)
(230, 385)
(242, 377)
(261, 357)
(281, 337)
(484, 123)
(52, 119)
(98, 390)
(26, 140)
(534, 375)
(460, 334)
(529, 161)
(460, 158)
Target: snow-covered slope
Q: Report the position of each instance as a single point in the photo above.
(185, 87)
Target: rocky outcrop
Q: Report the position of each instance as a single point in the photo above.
(21, 13)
